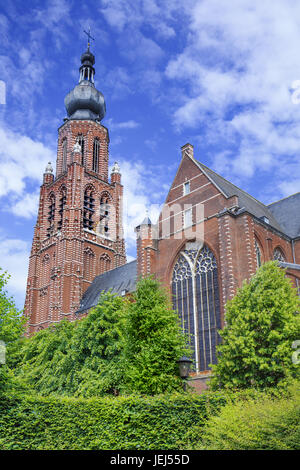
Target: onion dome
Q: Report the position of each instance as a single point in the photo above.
(85, 101)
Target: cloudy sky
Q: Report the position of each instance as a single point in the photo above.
(224, 76)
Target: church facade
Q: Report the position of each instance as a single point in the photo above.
(210, 236)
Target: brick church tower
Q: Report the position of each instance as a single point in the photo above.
(79, 233)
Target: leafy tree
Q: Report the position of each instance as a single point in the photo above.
(79, 358)
(11, 320)
(153, 341)
(262, 321)
(11, 326)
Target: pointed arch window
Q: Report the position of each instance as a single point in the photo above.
(62, 203)
(64, 155)
(104, 263)
(278, 255)
(258, 252)
(88, 264)
(96, 153)
(195, 292)
(88, 209)
(51, 215)
(81, 141)
(104, 214)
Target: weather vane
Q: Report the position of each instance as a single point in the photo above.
(89, 36)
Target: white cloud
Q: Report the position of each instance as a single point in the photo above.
(143, 191)
(23, 162)
(235, 75)
(112, 125)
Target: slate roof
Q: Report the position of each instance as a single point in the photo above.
(246, 201)
(116, 280)
(287, 212)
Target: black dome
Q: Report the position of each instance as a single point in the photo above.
(85, 101)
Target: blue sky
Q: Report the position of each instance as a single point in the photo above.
(220, 75)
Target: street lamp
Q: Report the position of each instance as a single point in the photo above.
(184, 369)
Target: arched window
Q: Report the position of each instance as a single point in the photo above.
(278, 255)
(104, 214)
(88, 264)
(195, 292)
(62, 202)
(88, 209)
(258, 252)
(51, 215)
(80, 140)
(96, 152)
(104, 263)
(64, 155)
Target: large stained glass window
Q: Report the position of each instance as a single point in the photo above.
(195, 292)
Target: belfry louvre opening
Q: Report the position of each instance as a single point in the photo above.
(195, 290)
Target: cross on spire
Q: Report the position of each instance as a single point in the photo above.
(89, 36)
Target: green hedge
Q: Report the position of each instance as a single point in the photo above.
(265, 424)
(161, 422)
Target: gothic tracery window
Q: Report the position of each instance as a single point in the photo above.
(196, 298)
(278, 255)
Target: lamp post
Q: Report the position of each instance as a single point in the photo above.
(184, 369)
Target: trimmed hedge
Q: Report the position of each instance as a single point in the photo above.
(119, 423)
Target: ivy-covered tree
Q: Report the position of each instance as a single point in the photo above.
(153, 341)
(11, 326)
(79, 358)
(262, 321)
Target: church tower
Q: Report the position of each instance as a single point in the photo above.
(79, 233)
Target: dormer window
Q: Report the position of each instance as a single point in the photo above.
(186, 188)
(265, 219)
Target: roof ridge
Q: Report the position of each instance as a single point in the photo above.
(234, 185)
(283, 198)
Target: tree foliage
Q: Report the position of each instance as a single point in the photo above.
(11, 327)
(262, 321)
(76, 359)
(153, 341)
(120, 347)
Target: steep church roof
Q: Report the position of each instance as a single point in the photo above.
(287, 212)
(246, 201)
(116, 280)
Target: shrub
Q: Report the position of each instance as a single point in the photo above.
(261, 424)
(109, 423)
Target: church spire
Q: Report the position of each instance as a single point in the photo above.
(85, 101)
